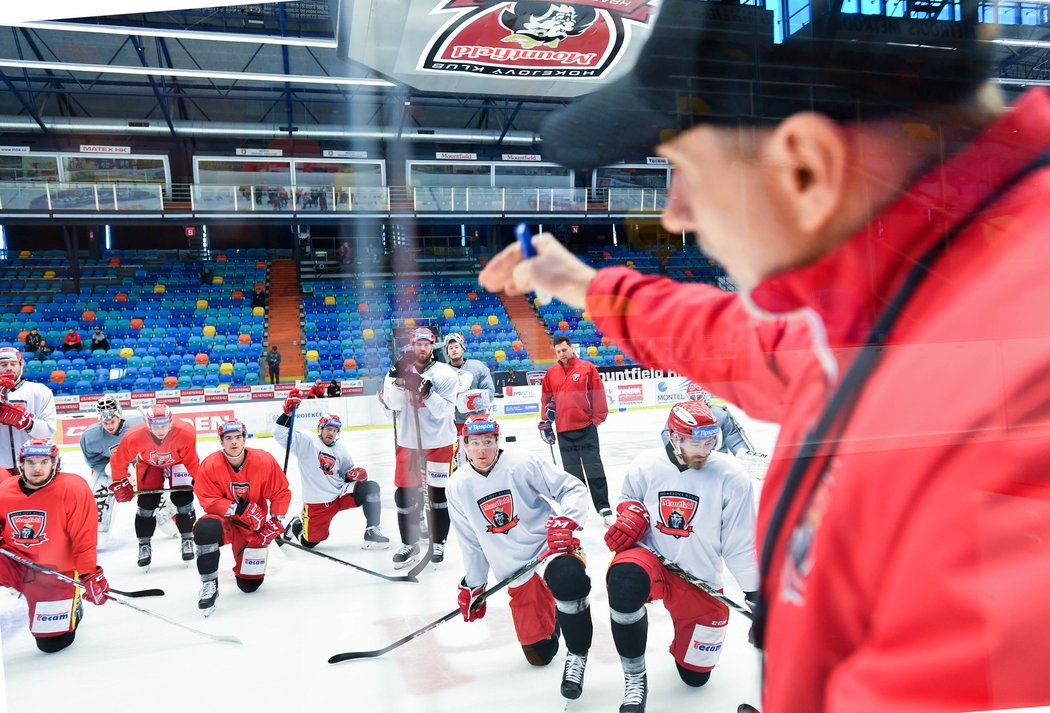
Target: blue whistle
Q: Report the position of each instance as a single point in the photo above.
(524, 236)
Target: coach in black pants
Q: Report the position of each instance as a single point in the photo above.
(573, 401)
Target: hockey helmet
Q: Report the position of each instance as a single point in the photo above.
(693, 420)
(40, 448)
(10, 353)
(696, 392)
(455, 337)
(231, 426)
(421, 333)
(157, 414)
(329, 420)
(479, 423)
(107, 407)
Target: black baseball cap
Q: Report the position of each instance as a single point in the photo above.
(717, 63)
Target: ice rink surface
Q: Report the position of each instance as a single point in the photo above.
(310, 608)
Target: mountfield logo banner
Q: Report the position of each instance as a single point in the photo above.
(540, 40)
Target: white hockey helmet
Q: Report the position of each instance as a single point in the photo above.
(455, 337)
(107, 407)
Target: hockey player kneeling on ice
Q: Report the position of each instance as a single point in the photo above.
(165, 455)
(500, 505)
(331, 481)
(693, 507)
(97, 443)
(49, 517)
(245, 496)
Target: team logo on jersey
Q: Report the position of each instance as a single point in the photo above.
(530, 38)
(799, 561)
(575, 377)
(239, 491)
(160, 459)
(326, 463)
(27, 527)
(498, 509)
(677, 510)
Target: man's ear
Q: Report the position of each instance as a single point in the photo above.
(810, 154)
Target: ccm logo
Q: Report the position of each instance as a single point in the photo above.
(701, 646)
(53, 617)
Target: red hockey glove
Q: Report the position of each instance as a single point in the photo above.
(549, 412)
(95, 586)
(292, 401)
(559, 534)
(270, 531)
(355, 475)
(7, 381)
(547, 432)
(468, 598)
(123, 490)
(631, 523)
(15, 415)
(250, 514)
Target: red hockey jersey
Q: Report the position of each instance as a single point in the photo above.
(179, 446)
(260, 480)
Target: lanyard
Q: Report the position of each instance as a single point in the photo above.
(835, 416)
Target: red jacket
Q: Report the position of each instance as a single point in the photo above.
(913, 579)
(579, 395)
(73, 338)
(179, 446)
(260, 480)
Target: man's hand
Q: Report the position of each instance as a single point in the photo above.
(292, 401)
(547, 432)
(554, 271)
(123, 490)
(632, 521)
(7, 381)
(270, 531)
(425, 385)
(95, 586)
(250, 514)
(355, 475)
(467, 598)
(559, 534)
(15, 415)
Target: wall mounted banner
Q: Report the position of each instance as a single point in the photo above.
(62, 9)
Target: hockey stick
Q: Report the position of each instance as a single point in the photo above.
(136, 593)
(69, 580)
(156, 491)
(552, 454)
(707, 588)
(354, 655)
(404, 578)
(422, 468)
(288, 444)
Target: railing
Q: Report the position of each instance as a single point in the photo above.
(286, 198)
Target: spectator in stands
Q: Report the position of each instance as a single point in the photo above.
(205, 275)
(259, 298)
(334, 389)
(32, 340)
(99, 340)
(346, 253)
(317, 391)
(43, 351)
(73, 341)
(273, 364)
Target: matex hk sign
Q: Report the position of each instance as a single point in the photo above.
(204, 423)
(584, 39)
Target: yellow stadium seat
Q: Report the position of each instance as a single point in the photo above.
(369, 284)
(500, 355)
(329, 300)
(226, 368)
(48, 274)
(209, 330)
(159, 289)
(312, 355)
(592, 351)
(586, 316)
(216, 280)
(410, 323)
(493, 319)
(449, 312)
(127, 352)
(258, 311)
(368, 333)
(202, 304)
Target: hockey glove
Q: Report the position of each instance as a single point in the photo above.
(559, 534)
(270, 531)
(425, 385)
(547, 432)
(355, 475)
(411, 379)
(751, 599)
(631, 523)
(468, 605)
(15, 415)
(292, 401)
(249, 514)
(123, 490)
(7, 381)
(549, 412)
(95, 586)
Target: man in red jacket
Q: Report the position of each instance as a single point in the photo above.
(885, 221)
(573, 398)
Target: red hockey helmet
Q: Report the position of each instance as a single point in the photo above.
(696, 392)
(421, 333)
(11, 353)
(693, 420)
(38, 448)
(329, 419)
(231, 426)
(157, 415)
(478, 423)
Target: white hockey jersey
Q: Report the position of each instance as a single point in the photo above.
(437, 424)
(698, 518)
(40, 402)
(322, 467)
(501, 518)
(473, 375)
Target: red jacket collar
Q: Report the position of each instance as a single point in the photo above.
(849, 286)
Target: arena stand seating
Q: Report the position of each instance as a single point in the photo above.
(348, 325)
(165, 328)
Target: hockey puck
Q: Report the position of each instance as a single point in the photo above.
(511, 439)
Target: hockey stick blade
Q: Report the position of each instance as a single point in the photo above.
(138, 593)
(705, 587)
(354, 655)
(403, 578)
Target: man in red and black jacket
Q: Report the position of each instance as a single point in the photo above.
(573, 398)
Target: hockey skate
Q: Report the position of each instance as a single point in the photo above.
(145, 555)
(375, 539)
(209, 593)
(635, 691)
(572, 675)
(187, 548)
(294, 531)
(406, 556)
(438, 555)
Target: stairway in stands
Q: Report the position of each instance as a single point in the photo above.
(284, 314)
(530, 329)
